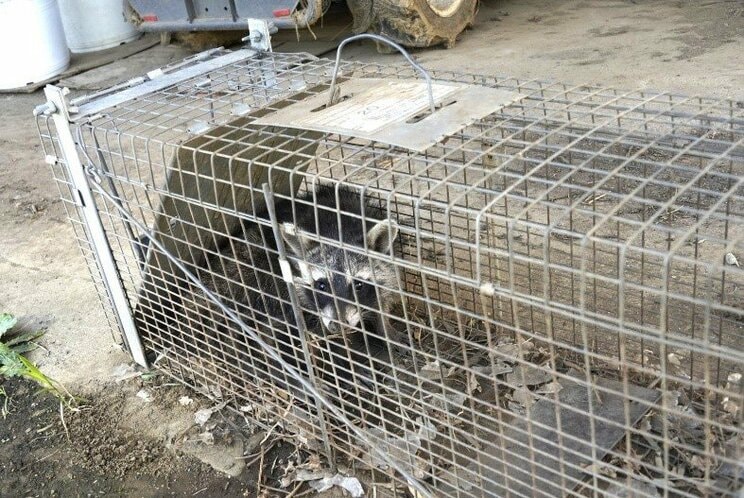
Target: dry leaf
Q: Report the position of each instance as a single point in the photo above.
(637, 489)
(473, 384)
(432, 370)
(671, 398)
(550, 388)
(144, 395)
(451, 402)
(201, 416)
(313, 462)
(527, 375)
(600, 468)
(732, 382)
(511, 350)
(498, 368)
(516, 408)
(400, 449)
(214, 391)
(730, 406)
(350, 484)
(524, 397)
(462, 478)
(206, 437)
(698, 462)
(674, 359)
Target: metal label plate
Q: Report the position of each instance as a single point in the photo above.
(395, 112)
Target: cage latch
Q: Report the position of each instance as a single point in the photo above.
(259, 36)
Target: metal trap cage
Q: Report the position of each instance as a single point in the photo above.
(497, 288)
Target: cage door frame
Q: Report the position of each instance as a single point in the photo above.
(83, 197)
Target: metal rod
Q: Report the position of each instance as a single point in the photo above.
(164, 81)
(382, 39)
(99, 242)
(297, 310)
(139, 254)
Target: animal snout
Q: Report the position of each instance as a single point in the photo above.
(350, 317)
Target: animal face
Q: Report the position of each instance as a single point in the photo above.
(343, 285)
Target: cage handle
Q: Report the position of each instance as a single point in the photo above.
(414, 64)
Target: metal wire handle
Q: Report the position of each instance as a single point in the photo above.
(392, 44)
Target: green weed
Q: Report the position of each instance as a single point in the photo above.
(14, 364)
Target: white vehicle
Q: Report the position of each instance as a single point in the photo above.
(413, 23)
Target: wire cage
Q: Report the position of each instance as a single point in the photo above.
(557, 302)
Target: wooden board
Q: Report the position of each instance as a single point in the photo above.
(211, 176)
(314, 47)
(535, 458)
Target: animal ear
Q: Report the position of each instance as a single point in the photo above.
(296, 243)
(380, 237)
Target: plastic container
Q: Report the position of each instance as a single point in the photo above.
(92, 25)
(32, 42)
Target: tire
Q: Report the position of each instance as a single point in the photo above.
(414, 23)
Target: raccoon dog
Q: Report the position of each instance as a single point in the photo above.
(343, 291)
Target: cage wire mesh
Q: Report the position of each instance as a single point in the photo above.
(552, 306)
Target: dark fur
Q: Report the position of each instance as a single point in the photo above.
(245, 273)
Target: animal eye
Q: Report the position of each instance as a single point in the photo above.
(359, 286)
(321, 285)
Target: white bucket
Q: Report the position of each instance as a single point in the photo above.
(92, 25)
(32, 42)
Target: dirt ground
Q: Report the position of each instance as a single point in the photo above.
(676, 46)
(95, 456)
(99, 448)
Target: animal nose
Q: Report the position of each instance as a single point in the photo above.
(350, 313)
(352, 316)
